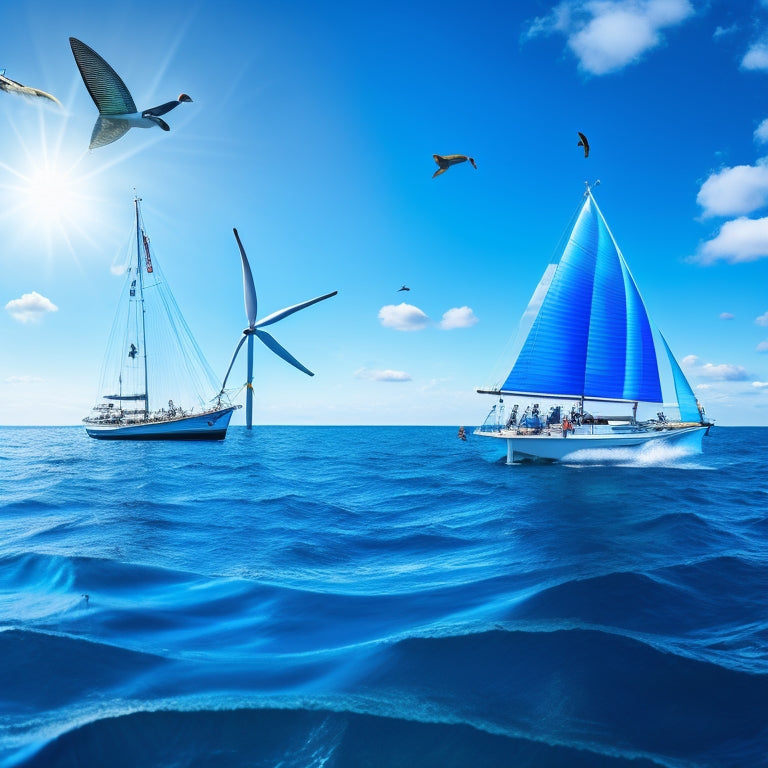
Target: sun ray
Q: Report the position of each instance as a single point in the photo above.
(46, 195)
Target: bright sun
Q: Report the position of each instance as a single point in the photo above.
(50, 194)
(50, 201)
(47, 194)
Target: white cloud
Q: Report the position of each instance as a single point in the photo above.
(724, 31)
(407, 317)
(760, 384)
(726, 316)
(606, 35)
(722, 372)
(735, 191)
(761, 132)
(403, 317)
(762, 320)
(22, 380)
(756, 56)
(458, 317)
(762, 346)
(385, 375)
(30, 308)
(737, 241)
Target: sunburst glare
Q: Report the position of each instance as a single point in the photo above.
(48, 194)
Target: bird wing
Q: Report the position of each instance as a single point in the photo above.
(583, 143)
(11, 86)
(439, 171)
(105, 131)
(108, 91)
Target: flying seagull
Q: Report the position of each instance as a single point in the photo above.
(446, 161)
(11, 86)
(404, 288)
(254, 329)
(583, 143)
(117, 111)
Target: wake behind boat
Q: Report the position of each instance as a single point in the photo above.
(586, 342)
(153, 359)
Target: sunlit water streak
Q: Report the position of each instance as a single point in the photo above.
(380, 596)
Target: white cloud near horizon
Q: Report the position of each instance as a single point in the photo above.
(762, 346)
(30, 308)
(760, 384)
(458, 317)
(762, 320)
(382, 375)
(22, 380)
(735, 191)
(607, 35)
(722, 372)
(726, 316)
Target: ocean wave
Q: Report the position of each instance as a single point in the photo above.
(301, 738)
(396, 581)
(564, 697)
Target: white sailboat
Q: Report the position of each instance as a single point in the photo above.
(587, 346)
(153, 359)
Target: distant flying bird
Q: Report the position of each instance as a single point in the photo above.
(583, 143)
(446, 161)
(11, 86)
(117, 111)
(404, 288)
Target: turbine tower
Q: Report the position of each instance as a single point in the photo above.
(254, 329)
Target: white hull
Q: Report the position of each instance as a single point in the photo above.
(555, 447)
(201, 426)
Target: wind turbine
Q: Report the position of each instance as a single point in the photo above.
(254, 329)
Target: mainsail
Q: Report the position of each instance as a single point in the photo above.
(152, 355)
(591, 336)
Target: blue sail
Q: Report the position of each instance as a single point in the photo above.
(592, 336)
(686, 400)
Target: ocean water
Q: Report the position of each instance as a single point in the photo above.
(343, 596)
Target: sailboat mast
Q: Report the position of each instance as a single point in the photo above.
(136, 201)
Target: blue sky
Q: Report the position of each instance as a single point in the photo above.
(312, 131)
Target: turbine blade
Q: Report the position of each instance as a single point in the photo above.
(280, 314)
(249, 290)
(282, 352)
(234, 357)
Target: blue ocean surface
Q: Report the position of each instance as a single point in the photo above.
(344, 596)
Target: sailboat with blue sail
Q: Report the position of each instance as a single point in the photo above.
(587, 344)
